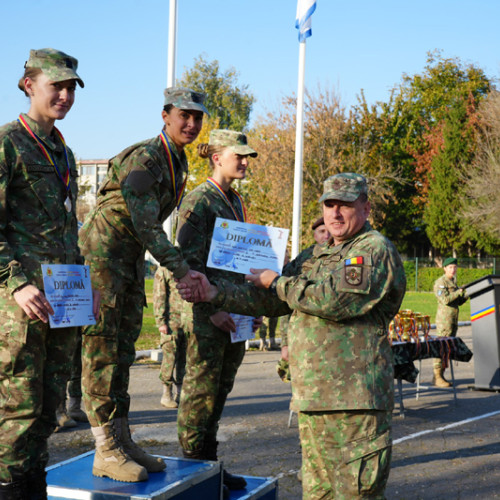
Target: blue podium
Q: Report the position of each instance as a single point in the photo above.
(182, 480)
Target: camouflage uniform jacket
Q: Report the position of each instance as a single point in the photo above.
(169, 308)
(35, 228)
(340, 357)
(197, 217)
(135, 198)
(449, 297)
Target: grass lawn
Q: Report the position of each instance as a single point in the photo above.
(422, 302)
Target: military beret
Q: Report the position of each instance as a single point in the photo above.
(449, 260)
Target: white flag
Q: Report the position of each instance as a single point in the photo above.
(305, 9)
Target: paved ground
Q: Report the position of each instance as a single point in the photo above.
(457, 462)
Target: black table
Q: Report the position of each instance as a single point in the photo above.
(405, 353)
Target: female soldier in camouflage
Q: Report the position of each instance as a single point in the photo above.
(212, 360)
(37, 225)
(143, 185)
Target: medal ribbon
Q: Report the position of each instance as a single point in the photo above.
(48, 156)
(242, 216)
(168, 151)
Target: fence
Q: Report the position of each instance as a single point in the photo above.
(422, 273)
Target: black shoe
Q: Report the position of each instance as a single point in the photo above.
(233, 482)
(225, 492)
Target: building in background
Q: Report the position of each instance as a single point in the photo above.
(91, 174)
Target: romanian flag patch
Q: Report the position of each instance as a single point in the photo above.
(354, 261)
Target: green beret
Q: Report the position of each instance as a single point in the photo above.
(449, 260)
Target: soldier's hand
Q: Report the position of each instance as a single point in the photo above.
(34, 303)
(163, 329)
(284, 353)
(261, 278)
(257, 323)
(223, 321)
(195, 287)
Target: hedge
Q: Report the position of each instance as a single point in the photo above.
(428, 275)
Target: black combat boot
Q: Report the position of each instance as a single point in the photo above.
(37, 485)
(15, 490)
(229, 480)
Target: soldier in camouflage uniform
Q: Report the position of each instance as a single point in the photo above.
(449, 297)
(212, 360)
(38, 225)
(174, 320)
(343, 295)
(268, 325)
(143, 185)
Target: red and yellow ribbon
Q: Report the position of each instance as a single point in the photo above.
(170, 161)
(46, 153)
(242, 216)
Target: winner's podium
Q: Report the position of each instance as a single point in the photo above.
(484, 296)
(181, 480)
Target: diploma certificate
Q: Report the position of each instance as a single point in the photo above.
(244, 328)
(69, 291)
(239, 246)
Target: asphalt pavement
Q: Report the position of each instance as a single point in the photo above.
(442, 449)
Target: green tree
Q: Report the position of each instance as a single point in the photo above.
(226, 100)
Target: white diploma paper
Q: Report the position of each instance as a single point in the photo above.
(239, 246)
(69, 291)
(244, 328)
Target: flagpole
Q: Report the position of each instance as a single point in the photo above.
(168, 225)
(299, 153)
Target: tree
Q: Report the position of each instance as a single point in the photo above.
(482, 202)
(226, 99)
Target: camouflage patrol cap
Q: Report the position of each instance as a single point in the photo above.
(344, 187)
(183, 98)
(55, 64)
(235, 141)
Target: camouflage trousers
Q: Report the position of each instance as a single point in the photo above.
(108, 348)
(35, 364)
(345, 455)
(438, 362)
(75, 380)
(272, 323)
(211, 366)
(174, 357)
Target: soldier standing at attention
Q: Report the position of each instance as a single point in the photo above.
(174, 320)
(143, 185)
(343, 296)
(38, 225)
(449, 297)
(212, 359)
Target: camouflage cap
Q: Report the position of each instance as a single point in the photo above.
(317, 223)
(344, 187)
(55, 64)
(235, 141)
(183, 98)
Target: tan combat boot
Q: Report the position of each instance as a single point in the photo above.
(75, 410)
(111, 461)
(151, 463)
(262, 345)
(64, 421)
(167, 399)
(438, 379)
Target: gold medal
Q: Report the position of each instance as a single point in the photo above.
(67, 204)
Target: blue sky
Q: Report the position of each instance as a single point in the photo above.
(122, 51)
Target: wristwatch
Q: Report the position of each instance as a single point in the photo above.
(274, 284)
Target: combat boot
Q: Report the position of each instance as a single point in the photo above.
(15, 490)
(137, 454)
(37, 485)
(75, 410)
(167, 399)
(230, 480)
(438, 379)
(64, 421)
(262, 345)
(273, 346)
(111, 461)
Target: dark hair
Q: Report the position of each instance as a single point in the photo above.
(363, 197)
(28, 73)
(168, 107)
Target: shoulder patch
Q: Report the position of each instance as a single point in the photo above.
(143, 176)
